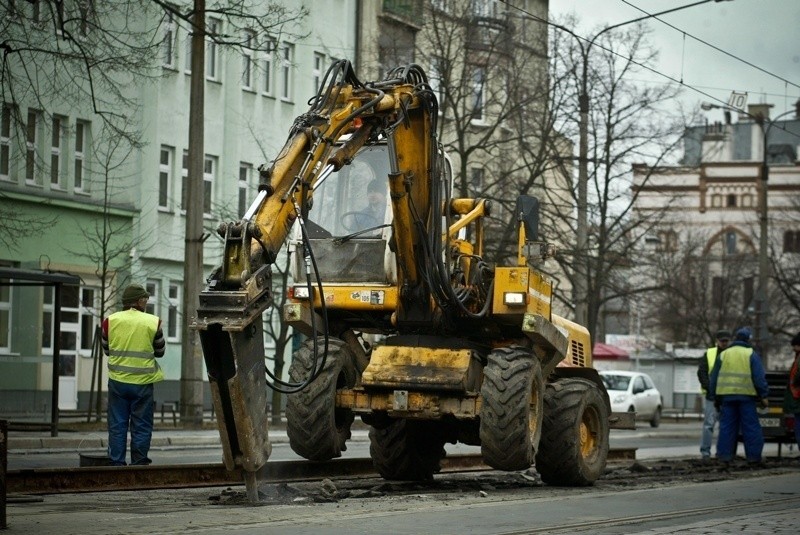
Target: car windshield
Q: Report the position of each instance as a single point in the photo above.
(616, 382)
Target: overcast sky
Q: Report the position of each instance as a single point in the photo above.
(766, 33)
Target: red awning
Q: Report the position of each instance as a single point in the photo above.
(607, 352)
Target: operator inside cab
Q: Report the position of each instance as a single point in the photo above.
(355, 199)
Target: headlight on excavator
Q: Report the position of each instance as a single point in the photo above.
(300, 292)
(513, 299)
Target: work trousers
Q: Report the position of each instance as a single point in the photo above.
(129, 406)
(736, 415)
(710, 418)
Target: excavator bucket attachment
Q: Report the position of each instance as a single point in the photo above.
(233, 347)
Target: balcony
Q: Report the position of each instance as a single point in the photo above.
(407, 11)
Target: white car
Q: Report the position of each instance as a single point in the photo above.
(633, 392)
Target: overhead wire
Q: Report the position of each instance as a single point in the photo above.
(718, 49)
(637, 63)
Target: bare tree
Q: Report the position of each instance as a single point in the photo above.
(630, 123)
(784, 288)
(700, 287)
(490, 77)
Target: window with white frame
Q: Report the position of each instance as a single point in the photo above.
(168, 41)
(173, 318)
(184, 179)
(79, 155)
(245, 172)
(166, 157)
(209, 171)
(32, 135)
(57, 139)
(436, 80)
(487, 8)
(212, 57)
(85, 14)
(5, 143)
(730, 243)
(187, 56)
(5, 315)
(316, 71)
(35, 11)
(89, 316)
(248, 43)
(48, 311)
(153, 304)
(478, 94)
(287, 56)
(442, 5)
(59, 18)
(476, 179)
(791, 241)
(268, 63)
(209, 174)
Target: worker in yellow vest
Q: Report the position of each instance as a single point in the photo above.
(738, 383)
(704, 367)
(133, 340)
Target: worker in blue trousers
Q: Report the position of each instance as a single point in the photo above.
(738, 384)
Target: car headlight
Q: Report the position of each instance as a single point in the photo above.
(620, 398)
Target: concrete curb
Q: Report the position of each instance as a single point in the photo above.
(31, 445)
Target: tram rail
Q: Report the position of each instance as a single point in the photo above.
(112, 478)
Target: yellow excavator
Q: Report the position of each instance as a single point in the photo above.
(407, 325)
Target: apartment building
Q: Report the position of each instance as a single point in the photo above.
(708, 213)
(111, 212)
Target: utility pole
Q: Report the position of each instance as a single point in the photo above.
(762, 296)
(191, 406)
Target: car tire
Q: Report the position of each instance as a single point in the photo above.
(656, 420)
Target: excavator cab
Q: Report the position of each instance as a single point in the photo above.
(350, 224)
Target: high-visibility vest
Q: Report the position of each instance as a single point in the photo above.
(130, 347)
(735, 376)
(711, 357)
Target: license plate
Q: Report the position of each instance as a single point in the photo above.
(770, 422)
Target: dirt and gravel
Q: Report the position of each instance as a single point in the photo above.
(493, 484)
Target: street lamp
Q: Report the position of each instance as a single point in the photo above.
(580, 286)
(762, 309)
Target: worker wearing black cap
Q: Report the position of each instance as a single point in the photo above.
(704, 366)
(791, 399)
(133, 340)
(738, 382)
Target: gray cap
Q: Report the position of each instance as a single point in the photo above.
(133, 293)
(723, 334)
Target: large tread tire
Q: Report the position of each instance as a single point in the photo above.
(317, 429)
(574, 445)
(407, 450)
(512, 406)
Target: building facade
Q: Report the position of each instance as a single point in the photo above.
(112, 213)
(703, 244)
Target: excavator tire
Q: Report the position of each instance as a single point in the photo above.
(317, 429)
(511, 412)
(407, 450)
(574, 444)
